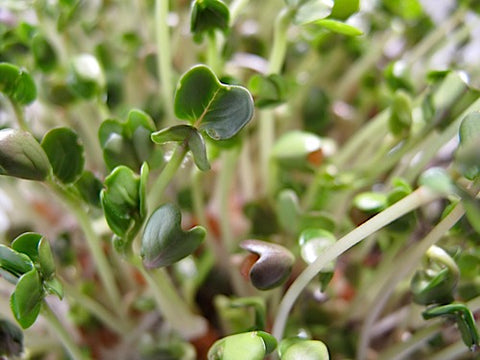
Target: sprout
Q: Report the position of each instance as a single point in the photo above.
(273, 265)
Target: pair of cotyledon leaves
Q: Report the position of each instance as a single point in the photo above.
(29, 264)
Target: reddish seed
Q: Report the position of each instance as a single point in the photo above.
(247, 264)
(315, 157)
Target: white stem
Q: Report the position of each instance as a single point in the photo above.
(416, 199)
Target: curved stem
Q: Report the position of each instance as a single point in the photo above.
(405, 266)
(416, 199)
(166, 175)
(164, 64)
(60, 331)
(97, 310)
(94, 244)
(20, 115)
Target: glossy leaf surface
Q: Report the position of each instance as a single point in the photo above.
(190, 137)
(17, 84)
(218, 109)
(164, 242)
(208, 16)
(127, 143)
(253, 345)
(22, 156)
(296, 348)
(26, 300)
(14, 262)
(121, 200)
(37, 248)
(65, 153)
(339, 27)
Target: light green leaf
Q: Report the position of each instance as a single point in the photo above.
(339, 27)
(26, 300)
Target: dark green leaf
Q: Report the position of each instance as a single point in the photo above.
(121, 200)
(208, 16)
(37, 248)
(268, 90)
(65, 152)
(187, 135)
(27, 243)
(43, 53)
(218, 109)
(17, 84)
(89, 188)
(26, 300)
(22, 156)
(164, 242)
(339, 27)
(11, 339)
(14, 262)
(54, 286)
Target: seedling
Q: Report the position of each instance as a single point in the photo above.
(238, 180)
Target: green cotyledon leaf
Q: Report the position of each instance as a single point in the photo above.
(220, 110)
(164, 242)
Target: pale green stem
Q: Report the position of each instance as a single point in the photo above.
(213, 56)
(354, 144)
(402, 350)
(171, 305)
(266, 138)
(156, 193)
(94, 244)
(97, 310)
(20, 115)
(236, 9)
(227, 172)
(164, 58)
(247, 180)
(439, 34)
(412, 201)
(280, 41)
(60, 331)
(348, 81)
(199, 207)
(405, 266)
